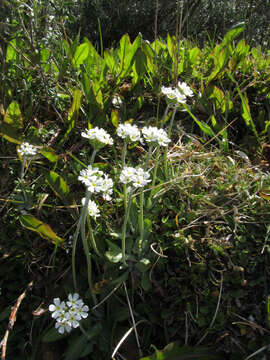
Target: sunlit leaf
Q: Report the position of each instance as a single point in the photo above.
(9, 133)
(80, 55)
(13, 116)
(44, 230)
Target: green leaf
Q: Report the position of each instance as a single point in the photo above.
(265, 194)
(202, 125)
(80, 55)
(58, 185)
(114, 254)
(115, 118)
(13, 115)
(44, 230)
(49, 154)
(173, 352)
(11, 54)
(53, 335)
(82, 345)
(9, 133)
(73, 112)
(233, 33)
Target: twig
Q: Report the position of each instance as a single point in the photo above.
(12, 320)
(215, 315)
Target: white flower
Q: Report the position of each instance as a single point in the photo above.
(137, 176)
(83, 311)
(141, 178)
(127, 174)
(93, 209)
(63, 325)
(68, 314)
(74, 300)
(96, 181)
(73, 319)
(27, 149)
(57, 308)
(185, 89)
(152, 134)
(98, 137)
(173, 95)
(117, 101)
(128, 131)
(106, 187)
(94, 184)
(89, 176)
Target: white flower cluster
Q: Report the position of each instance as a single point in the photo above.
(128, 131)
(93, 209)
(179, 94)
(152, 134)
(137, 176)
(27, 149)
(98, 137)
(68, 314)
(117, 101)
(97, 182)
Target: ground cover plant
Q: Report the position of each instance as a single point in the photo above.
(134, 197)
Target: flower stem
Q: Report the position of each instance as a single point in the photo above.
(141, 222)
(76, 235)
(124, 229)
(165, 158)
(86, 247)
(92, 238)
(149, 202)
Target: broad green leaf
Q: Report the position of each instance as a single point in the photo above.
(49, 154)
(202, 125)
(11, 54)
(53, 335)
(115, 253)
(58, 185)
(82, 345)
(265, 194)
(9, 133)
(233, 33)
(73, 112)
(110, 60)
(45, 54)
(44, 230)
(174, 352)
(13, 115)
(115, 118)
(246, 115)
(80, 55)
(193, 55)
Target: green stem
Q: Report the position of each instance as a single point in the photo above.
(23, 167)
(165, 158)
(123, 158)
(149, 153)
(92, 238)
(76, 235)
(86, 247)
(124, 229)
(141, 222)
(165, 115)
(149, 202)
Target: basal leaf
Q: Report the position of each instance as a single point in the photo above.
(73, 112)
(58, 185)
(80, 55)
(49, 154)
(9, 133)
(44, 230)
(13, 115)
